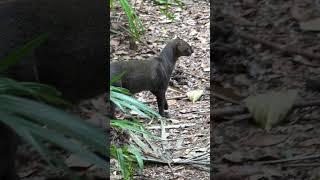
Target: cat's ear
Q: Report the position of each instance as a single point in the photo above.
(178, 40)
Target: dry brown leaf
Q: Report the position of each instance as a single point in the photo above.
(311, 25)
(300, 10)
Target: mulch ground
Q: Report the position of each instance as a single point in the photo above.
(262, 46)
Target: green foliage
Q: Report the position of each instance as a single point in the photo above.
(125, 103)
(35, 90)
(117, 77)
(133, 126)
(135, 25)
(125, 160)
(165, 7)
(39, 123)
(21, 52)
(129, 158)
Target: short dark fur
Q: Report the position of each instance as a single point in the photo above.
(154, 74)
(73, 59)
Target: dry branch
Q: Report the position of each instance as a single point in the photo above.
(282, 48)
(298, 158)
(234, 110)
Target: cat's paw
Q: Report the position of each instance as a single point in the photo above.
(166, 115)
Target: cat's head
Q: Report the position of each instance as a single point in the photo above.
(183, 48)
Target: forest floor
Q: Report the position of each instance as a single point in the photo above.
(241, 149)
(190, 138)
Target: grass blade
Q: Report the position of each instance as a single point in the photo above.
(20, 53)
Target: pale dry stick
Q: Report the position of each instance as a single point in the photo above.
(186, 136)
(169, 98)
(199, 77)
(174, 97)
(298, 158)
(143, 146)
(163, 129)
(202, 166)
(225, 98)
(172, 126)
(181, 148)
(207, 163)
(303, 165)
(234, 110)
(204, 163)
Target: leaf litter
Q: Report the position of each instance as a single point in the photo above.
(182, 152)
(263, 47)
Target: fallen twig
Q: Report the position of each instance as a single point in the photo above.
(174, 97)
(199, 77)
(282, 48)
(175, 161)
(169, 98)
(297, 158)
(234, 110)
(303, 165)
(172, 126)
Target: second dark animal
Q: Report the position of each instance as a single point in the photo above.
(73, 59)
(152, 74)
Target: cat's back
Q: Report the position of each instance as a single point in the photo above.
(132, 67)
(140, 75)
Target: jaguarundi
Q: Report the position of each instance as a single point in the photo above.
(73, 59)
(152, 74)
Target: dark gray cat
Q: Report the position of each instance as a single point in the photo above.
(153, 74)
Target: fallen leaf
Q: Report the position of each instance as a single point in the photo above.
(271, 108)
(300, 10)
(206, 69)
(265, 140)
(311, 25)
(235, 157)
(195, 95)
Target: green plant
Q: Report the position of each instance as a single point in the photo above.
(129, 158)
(38, 123)
(135, 26)
(126, 103)
(165, 6)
